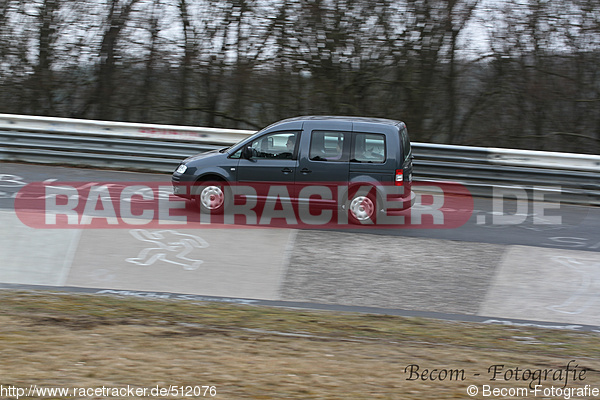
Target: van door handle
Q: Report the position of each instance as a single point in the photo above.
(305, 171)
(287, 170)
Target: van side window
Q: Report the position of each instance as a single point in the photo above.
(278, 145)
(328, 146)
(369, 148)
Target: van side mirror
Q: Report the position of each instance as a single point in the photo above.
(247, 152)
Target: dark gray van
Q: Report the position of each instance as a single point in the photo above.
(360, 166)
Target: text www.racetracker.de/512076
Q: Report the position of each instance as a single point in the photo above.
(108, 391)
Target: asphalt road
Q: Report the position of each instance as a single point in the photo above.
(510, 261)
(579, 228)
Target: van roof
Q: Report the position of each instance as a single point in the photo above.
(343, 118)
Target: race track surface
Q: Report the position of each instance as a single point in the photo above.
(532, 273)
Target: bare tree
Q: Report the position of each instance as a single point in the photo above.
(118, 15)
(189, 44)
(43, 101)
(458, 14)
(150, 61)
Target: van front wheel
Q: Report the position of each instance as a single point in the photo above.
(212, 197)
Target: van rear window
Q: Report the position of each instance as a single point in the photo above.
(369, 148)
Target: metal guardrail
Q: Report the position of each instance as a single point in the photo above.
(51, 125)
(160, 148)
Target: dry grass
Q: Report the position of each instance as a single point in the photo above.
(76, 340)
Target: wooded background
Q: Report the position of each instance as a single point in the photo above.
(504, 73)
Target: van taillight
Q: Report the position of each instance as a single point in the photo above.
(399, 180)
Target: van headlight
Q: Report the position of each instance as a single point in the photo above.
(181, 169)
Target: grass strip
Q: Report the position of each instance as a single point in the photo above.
(75, 341)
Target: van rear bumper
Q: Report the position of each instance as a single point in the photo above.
(396, 204)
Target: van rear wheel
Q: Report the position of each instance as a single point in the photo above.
(362, 207)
